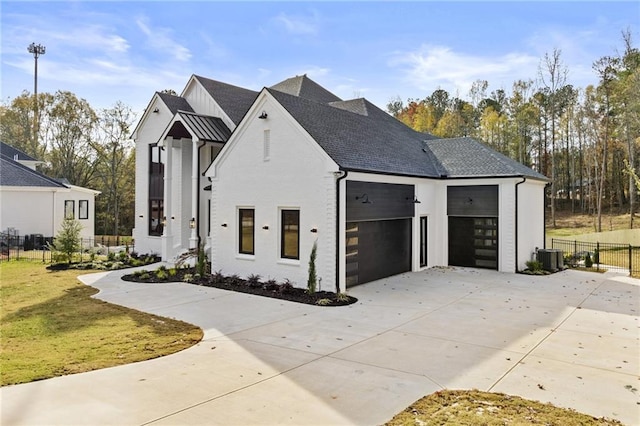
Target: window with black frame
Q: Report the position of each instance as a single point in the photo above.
(246, 219)
(290, 234)
(156, 190)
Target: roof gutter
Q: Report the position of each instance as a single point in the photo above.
(344, 175)
(524, 179)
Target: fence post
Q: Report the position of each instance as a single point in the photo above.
(630, 262)
(575, 247)
(598, 252)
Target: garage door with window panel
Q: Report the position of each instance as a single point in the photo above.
(378, 230)
(473, 226)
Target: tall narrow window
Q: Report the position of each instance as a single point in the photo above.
(290, 234)
(266, 145)
(83, 209)
(156, 190)
(247, 231)
(69, 207)
(423, 241)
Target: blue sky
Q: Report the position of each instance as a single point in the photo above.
(125, 51)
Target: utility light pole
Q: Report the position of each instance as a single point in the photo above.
(36, 50)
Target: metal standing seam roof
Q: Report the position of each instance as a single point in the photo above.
(205, 127)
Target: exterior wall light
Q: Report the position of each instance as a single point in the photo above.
(266, 227)
(314, 230)
(263, 116)
(414, 201)
(192, 223)
(224, 225)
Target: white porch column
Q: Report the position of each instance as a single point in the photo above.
(167, 233)
(195, 169)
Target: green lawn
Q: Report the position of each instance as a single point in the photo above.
(51, 326)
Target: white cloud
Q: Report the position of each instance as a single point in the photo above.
(160, 39)
(298, 25)
(432, 67)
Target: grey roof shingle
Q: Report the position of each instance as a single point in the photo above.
(375, 142)
(175, 103)
(359, 136)
(303, 87)
(14, 153)
(466, 157)
(235, 101)
(13, 173)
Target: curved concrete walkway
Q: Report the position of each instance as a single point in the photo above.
(571, 338)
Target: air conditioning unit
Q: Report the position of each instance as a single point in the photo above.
(549, 259)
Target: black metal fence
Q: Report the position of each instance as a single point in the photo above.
(38, 248)
(609, 256)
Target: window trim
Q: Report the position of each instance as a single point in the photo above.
(242, 210)
(283, 247)
(72, 203)
(84, 203)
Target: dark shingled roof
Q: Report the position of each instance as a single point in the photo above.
(235, 101)
(375, 142)
(175, 103)
(13, 173)
(303, 87)
(466, 157)
(14, 153)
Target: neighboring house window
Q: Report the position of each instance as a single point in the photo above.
(69, 208)
(247, 231)
(156, 190)
(83, 209)
(290, 234)
(266, 145)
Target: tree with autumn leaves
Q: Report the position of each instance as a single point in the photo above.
(581, 138)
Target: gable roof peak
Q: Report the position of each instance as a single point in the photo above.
(304, 87)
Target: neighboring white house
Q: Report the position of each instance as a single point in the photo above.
(294, 165)
(32, 203)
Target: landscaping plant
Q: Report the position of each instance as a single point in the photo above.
(67, 242)
(312, 281)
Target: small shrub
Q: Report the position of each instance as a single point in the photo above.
(587, 261)
(286, 287)
(323, 302)
(162, 274)
(111, 256)
(172, 272)
(254, 280)
(189, 278)
(235, 280)
(122, 256)
(140, 273)
(534, 265)
(217, 277)
(145, 276)
(342, 297)
(270, 285)
(312, 280)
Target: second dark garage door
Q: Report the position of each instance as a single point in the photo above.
(378, 230)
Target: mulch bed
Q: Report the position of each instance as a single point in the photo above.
(283, 291)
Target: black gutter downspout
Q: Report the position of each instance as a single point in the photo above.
(524, 179)
(198, 199)
(544, 214)
(338, 229)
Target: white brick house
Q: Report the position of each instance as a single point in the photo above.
(293, 165)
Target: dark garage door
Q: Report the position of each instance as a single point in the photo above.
(473, 226)
(378, 230)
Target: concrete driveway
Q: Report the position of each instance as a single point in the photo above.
(571, 338)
